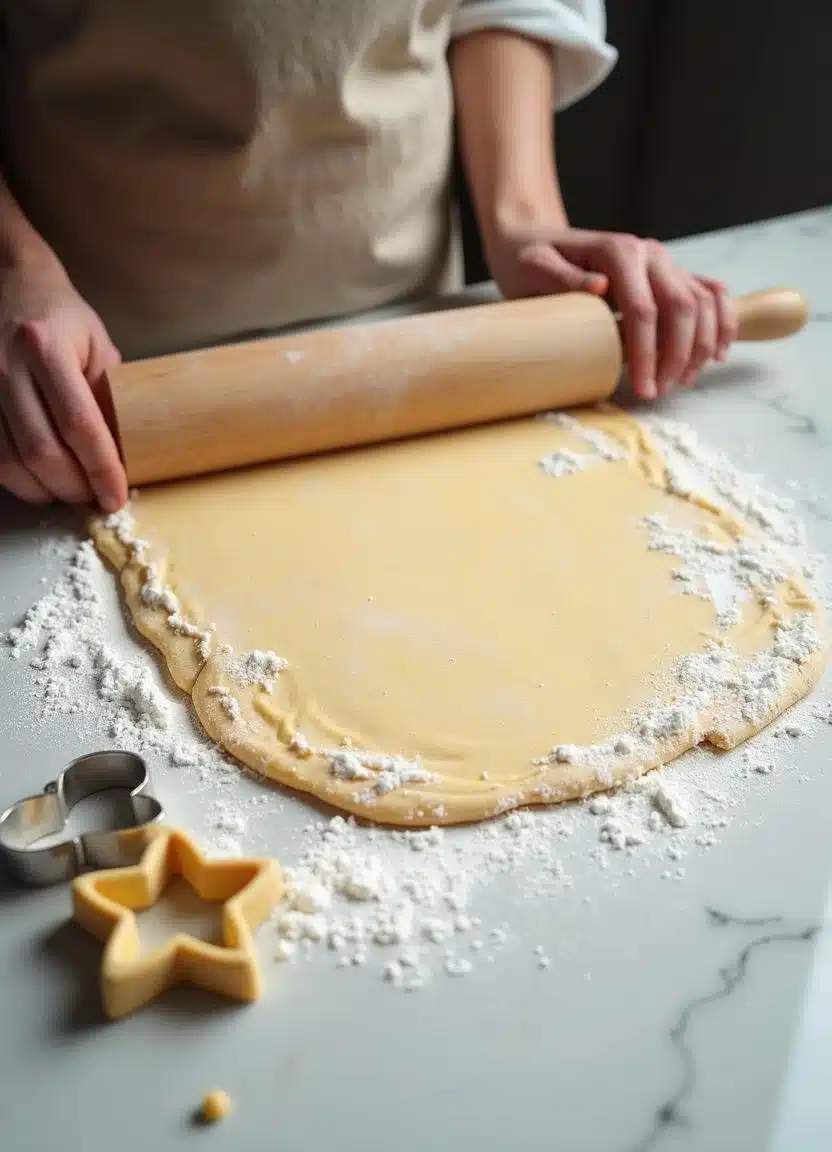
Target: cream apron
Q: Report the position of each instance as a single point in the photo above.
(209, 168)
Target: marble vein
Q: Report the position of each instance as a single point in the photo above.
(671, 1113)
(801, 423)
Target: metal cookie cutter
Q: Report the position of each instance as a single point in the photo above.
(30, 820)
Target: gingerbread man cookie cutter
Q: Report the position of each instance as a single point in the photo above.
(29, 821)
(105, 903)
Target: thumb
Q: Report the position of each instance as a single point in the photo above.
(550, 272)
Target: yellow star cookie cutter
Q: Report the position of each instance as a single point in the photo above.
(104, 903)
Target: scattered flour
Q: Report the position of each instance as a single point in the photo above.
(402, 903)
(692, 467)
(458, 966)
(386, 772)
(227, 819)
(229, 703)
(668, 804)
(308, 896)
(565, 462)
(728, 571)
(64, 632)
(745, 689)
(346, 765)
(260, 668)
(153, 592)
(603, 446)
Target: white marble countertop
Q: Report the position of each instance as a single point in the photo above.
(676, 1015)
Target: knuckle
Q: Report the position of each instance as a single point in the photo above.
(37, 326)
(611, 246)
(79, 425)
(39, 330)
(40, 452)
(683, 303)
(644, 312)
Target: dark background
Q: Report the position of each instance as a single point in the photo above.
(718, 112)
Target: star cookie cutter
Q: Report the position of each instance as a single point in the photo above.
(30, 820)
(104, 903)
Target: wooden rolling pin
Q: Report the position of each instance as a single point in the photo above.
(199, 412)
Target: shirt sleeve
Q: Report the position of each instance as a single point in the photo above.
(575, 29)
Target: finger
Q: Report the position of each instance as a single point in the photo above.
(678, 311)
(727, 326)
(707, 332)
(624, 259)
(35, 439)
(78, 419)
(553, 273)
(14, 477)
(104, 356)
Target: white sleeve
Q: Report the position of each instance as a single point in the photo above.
(574, 28)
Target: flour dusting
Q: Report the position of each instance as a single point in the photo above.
(565, 462)
(414, 906)
(603, 446)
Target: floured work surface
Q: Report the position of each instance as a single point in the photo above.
(442, 629)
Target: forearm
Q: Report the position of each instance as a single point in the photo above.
(504, 89)
(20, 243)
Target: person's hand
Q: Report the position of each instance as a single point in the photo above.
(54, 350)
(673, 322)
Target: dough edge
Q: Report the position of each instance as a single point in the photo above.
(449, 801)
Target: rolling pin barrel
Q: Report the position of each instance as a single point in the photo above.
(198, 412)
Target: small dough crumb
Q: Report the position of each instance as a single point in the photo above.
(215, 1106)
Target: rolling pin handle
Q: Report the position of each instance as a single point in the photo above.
(771, 314)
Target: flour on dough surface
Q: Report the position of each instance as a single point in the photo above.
(450, 630)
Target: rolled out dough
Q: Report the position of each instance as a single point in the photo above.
(469, 622)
